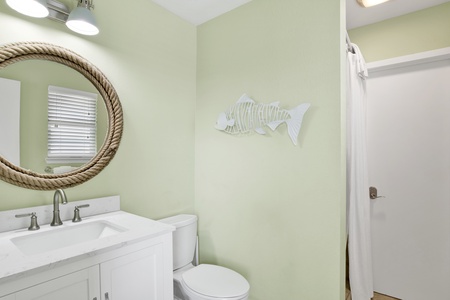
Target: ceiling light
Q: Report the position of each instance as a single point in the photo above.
(82, 20)
(369, 3)
(32, 8)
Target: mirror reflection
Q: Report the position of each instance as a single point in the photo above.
(35, 76)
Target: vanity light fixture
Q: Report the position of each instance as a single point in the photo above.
(80, 19)
(369, 3)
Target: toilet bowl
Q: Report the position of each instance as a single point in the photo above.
(210, 282)
(204, 281)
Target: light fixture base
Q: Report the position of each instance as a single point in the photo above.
(59, 12)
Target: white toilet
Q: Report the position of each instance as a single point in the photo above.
(202, 282)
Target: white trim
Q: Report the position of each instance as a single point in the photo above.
(409, 60)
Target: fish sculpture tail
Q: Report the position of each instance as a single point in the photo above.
(295, 122)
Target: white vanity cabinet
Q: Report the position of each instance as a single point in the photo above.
(80, 285)
(140, 270)
(135, 276)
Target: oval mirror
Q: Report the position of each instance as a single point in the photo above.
(64, 68)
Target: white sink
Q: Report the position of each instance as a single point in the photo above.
(56, 238)
(23, 251)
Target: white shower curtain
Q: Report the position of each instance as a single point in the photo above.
(358, 201)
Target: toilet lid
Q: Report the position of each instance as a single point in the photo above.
(215, 281)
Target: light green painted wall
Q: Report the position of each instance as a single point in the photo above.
(149, 55)
(268, 209)
(425, 30)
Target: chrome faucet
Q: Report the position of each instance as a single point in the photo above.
(59, 194)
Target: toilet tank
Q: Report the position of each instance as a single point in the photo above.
(184, 238)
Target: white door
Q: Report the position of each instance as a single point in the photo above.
(10, 120)
(80, 285)
(409, 164)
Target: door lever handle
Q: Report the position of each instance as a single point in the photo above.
(373, 193)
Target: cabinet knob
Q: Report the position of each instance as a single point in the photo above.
(106, 296)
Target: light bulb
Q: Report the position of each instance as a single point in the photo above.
(369, 3)
(32, 8)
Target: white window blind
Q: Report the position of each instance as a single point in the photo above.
(72, 125)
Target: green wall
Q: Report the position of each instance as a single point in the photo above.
(425, 30)
(150, 58)
(269, 209)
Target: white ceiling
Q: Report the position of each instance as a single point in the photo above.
(358, 16)
(200, 11)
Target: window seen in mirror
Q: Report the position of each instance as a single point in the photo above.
(72, 126)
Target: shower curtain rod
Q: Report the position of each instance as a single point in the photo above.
(349, 43)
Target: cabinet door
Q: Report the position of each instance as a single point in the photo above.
(138, 275)
(80, 285)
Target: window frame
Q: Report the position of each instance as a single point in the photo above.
(72, 118)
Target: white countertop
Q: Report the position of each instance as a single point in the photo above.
(14, 264)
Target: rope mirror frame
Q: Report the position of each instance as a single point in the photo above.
(22, 51)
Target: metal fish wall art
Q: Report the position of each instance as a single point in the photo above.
(246, 116)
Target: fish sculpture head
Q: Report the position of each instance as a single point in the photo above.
(222, 122)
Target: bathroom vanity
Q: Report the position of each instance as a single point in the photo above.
(112, 256)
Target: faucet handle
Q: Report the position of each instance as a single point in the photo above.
(76, 213)
(34, 224)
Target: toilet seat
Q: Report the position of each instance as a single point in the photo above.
(215, 282)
